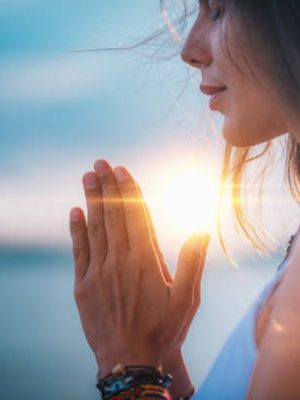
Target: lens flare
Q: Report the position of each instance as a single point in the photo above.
(189, 202)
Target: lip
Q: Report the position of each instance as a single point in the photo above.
(215, 93)
(213, 101)
(210, 89)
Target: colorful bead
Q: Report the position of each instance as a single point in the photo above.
(135, 382)
(142, 391)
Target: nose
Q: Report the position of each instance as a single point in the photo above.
(196, 51)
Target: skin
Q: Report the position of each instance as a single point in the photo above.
(122, 283)
(249, 115)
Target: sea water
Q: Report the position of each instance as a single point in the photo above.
(43, 351)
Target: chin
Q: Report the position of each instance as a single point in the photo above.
(240, 142)
(241, 137)
(234, 137)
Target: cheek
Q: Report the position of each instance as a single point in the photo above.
(251, 118)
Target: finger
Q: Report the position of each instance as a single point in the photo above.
(167, 275)
(81, 252)
(190, 266)
(96, 227)
(138, 230)
(202, 249)
(112, 208)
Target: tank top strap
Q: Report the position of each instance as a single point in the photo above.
(287, 252)
(275, 280)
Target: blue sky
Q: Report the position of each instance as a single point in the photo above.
(59, 111)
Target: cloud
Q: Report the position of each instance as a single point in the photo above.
(51, 80)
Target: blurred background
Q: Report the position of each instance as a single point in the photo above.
(61, 110)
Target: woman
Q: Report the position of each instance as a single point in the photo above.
(132, 310)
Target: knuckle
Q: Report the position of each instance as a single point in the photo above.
(186, 302)
(112, 216)
(115, 259)
(109, 184)
(80, 292)
(77, 251)
(196, 303)
(131, 215)
(127, 189)
(141, 261)
(76, 228)
(145, 248)
(95, 228)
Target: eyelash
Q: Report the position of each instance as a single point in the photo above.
(216, 14)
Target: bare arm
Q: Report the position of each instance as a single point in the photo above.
(175, 365)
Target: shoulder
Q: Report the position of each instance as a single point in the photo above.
(287, 295)
(275, 373)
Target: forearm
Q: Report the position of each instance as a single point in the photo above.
(174, 364)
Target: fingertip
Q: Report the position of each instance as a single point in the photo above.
(99, 161)
(199, 242)
(87, 174)
(121, 174)
(76, 215)
(102, 167)
(90, 181)
(205, 238)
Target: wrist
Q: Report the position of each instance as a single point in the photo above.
(106, 364)
(132, 380)
(173, 363)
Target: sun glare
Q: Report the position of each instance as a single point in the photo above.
(189, 202)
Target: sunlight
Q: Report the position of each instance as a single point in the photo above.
(189, 201)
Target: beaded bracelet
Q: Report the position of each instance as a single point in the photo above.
(125, 378)
(143, 391)
(137, 391)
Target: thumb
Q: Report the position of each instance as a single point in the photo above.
(190, 264)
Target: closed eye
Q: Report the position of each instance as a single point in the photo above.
(212, 8)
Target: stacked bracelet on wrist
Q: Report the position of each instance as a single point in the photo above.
(132, 382)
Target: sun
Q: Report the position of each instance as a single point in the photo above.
(189, 202)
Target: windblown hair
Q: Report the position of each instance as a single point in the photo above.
(271, 32)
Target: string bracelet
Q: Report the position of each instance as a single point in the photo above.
(136, 381)
(143, 391)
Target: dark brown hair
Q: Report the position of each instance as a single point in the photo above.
(271, 32)
(270, 29)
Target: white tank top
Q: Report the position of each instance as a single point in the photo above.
(230, 375)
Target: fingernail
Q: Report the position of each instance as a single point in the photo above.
(200, 243)
(121, 174)
(75, 215)
(91, 182)
(101, 168)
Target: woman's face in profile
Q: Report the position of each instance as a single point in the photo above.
(251, 113)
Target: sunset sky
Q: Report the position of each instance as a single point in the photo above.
(60, 111)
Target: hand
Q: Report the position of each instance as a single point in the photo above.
(174, 352)
(129, 311)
